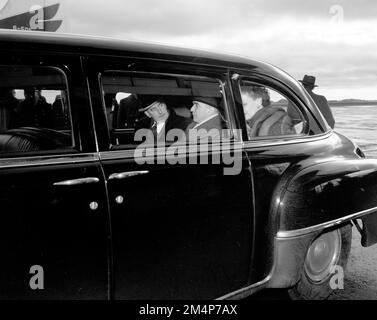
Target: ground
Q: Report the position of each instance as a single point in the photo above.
(361, 275)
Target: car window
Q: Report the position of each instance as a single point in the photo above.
(269, 113)
(34, 110)
(170, 106)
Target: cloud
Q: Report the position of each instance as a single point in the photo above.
(159, 18)
(179, 17)
(335, 42)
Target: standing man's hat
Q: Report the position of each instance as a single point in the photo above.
(147, 101)
(308, 80)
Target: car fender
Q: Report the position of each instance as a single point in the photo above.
(327, 194)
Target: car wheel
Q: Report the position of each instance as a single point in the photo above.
(328, 250)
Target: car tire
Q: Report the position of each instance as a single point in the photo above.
(314, 283)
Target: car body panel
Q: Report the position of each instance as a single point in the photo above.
(52, 226)
(178, 234)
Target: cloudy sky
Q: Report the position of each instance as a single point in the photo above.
(334, 40)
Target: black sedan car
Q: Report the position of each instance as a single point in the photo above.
(99, 200)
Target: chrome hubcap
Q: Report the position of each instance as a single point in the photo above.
(322, 256)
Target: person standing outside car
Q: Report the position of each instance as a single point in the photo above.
(309, 84)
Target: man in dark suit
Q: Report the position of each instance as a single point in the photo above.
(8, 107)
(309, 84)
(34, 111)
(163, 118)
(207, 118)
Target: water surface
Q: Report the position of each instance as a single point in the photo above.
(360, 124)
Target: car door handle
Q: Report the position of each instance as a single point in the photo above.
(75, 182)
(128, 174)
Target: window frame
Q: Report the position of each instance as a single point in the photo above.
(313, 126)
(224, 90)
(302, 114)
(64, 71)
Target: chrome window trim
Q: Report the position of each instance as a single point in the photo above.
(325, 225)
(273, 141)
(91, 112)
(128, 152)
(48, 160)
(170, 74)
(159, 152)
(230, 120)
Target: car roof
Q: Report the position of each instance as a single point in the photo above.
(85, 44)
(113, 44)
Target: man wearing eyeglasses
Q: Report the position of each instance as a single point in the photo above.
(163, 119)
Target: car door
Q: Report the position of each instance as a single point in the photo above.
(54, 217)
(180, 231)
(272, 153)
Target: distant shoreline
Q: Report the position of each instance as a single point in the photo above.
(352, 103)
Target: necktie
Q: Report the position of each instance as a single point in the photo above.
(154, 129)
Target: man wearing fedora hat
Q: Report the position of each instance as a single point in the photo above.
(309, 84)
(163, 119)
(206, 116)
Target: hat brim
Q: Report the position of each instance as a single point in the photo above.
(149, 106)
(310, 84)
(210, 103)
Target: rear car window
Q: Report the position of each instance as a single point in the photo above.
(269, 113)
(34, 110)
